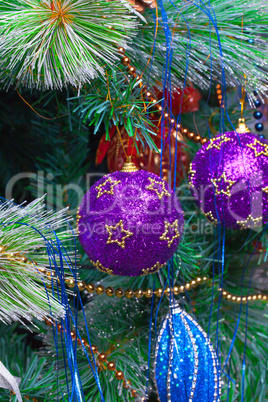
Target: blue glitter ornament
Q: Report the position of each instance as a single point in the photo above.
(186, 365)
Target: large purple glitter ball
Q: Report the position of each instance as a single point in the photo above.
(229, 178)
(130, 223)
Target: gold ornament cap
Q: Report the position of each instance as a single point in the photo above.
(242, 127)
(129, 167)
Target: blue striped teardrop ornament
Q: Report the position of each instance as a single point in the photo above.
(186, 365)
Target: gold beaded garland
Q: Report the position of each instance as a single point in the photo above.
(148, 293)
(70, 283)
(219, 95)
(84, 342)
(176, 290)
(109, 291)
(131, 69)
(110, 366)
(100, 289)
(119, 375)
(139, 293)
(121, 50)
(125, 385)
(191, 135)
(90, 288)
(158, 292)
(119, 292)
(129, 293)
(81, 285)
(125, 61)
(102, 358)
(234, 298)
(167, 291)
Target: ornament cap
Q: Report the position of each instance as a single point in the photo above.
(174, 307)
(129, 167)
(242, 127)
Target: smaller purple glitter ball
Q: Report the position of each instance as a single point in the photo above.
(229, 178)
(130, 223)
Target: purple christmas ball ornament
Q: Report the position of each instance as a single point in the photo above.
(229, 179)
(130, 222)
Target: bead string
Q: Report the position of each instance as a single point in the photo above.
(148, 293)
(139, 293)
(101, 360)
(258, 115)
(129, 293)
(231, 297)
(219, 95)
(132, 71)
(18, 257)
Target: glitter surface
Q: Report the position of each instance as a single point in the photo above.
(186, 367)
(229, 178)
(130, 223)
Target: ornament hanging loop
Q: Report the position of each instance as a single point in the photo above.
(241, 126)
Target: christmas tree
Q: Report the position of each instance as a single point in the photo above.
(134, 209)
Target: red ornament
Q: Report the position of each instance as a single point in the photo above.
(145, 158)
(189, 103)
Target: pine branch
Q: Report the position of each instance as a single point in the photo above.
(193, 31)
(122, 337)
(48, 45)
(27, 242)
(22, 361)
(117, 100)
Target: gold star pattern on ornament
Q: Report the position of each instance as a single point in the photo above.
(191, 172)
(110, 230)
(101, 190)
(78, 216)
(257, 153)
(216, 185)
(175, 227)
(213, 144)
(265, 189)
(210, 217)
(160, 183)
(249, 222)
(152, 270)
(101, 268)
